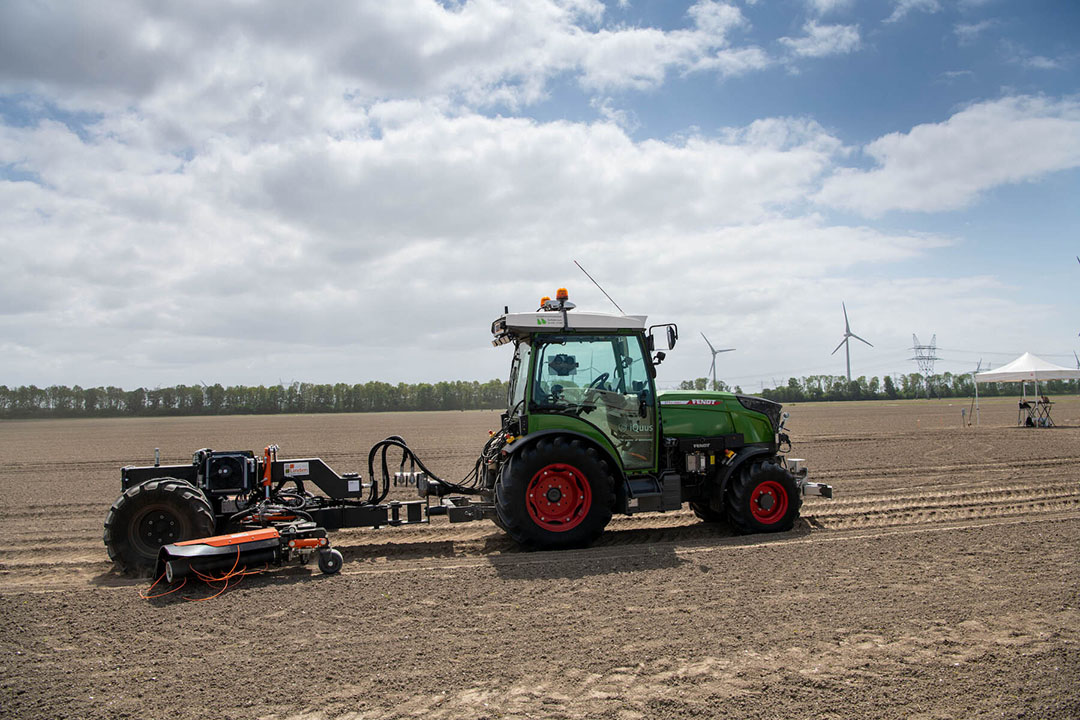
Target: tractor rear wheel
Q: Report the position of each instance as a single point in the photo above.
(763, 497)
(555, 494)
(152, 514)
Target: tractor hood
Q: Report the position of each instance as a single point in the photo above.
(690, 413)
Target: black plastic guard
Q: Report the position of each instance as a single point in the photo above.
(179, 560)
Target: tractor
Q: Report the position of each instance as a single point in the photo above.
(584, 435)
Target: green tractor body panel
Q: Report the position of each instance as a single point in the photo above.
(539, 422)
(695, 413)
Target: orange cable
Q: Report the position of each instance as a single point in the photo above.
(169, 592)
(232, 574)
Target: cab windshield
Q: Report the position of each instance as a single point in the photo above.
(604, 380)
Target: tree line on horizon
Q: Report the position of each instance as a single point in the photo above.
(826, 388)
(30, 401)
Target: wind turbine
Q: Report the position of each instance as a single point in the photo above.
(715, 352)
(846, 342)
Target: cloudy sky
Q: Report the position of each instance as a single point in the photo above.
(242, 192)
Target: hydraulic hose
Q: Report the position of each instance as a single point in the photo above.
(469, 485)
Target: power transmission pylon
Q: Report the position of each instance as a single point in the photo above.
(925, 355)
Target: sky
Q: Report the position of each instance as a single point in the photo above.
(252, 193)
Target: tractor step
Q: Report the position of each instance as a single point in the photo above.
(654, 494)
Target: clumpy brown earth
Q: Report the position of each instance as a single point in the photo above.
(942, 582)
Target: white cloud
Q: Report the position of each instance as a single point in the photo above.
(1038, 62)
(823, 40)
(481, 51)
(250, 262)
(945, 166)
(1018, 55)
(824, 7)
(901, 8)
(968, 33)
(626, 119)
(641, 57)
(953, 75)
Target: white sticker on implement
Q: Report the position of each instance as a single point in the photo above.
(354, 486)
(294, 469)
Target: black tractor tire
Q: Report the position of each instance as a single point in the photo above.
(706, 513)
(555, 494)
(762, 497)
(152, 514)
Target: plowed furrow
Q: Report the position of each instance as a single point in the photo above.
(887, 502)
(950, 468)
(922, 516)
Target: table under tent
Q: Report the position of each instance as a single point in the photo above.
(1024, 369)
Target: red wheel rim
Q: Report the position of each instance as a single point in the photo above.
(769, 502)
(558, 497)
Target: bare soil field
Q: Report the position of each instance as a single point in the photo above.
(943, 581)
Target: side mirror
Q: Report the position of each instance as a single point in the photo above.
(672, 336)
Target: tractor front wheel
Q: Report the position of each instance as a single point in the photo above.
(555, 494)
(763, 497)
(152, 514)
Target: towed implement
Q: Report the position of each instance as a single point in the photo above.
(584, 435)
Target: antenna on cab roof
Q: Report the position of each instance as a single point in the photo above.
(598, 285)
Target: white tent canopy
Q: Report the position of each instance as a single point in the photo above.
(1027, 368)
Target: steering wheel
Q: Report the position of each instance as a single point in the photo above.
(592, 391)
(598, 381)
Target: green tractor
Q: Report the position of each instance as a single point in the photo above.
(586, 434)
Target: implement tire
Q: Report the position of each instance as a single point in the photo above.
(152, 514)
(555, 494)
(763, 497)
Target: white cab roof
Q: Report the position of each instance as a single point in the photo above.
(552, 321)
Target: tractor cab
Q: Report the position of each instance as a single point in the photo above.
(584, 372)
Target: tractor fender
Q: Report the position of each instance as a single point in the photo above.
(741, 457)
(616, 468)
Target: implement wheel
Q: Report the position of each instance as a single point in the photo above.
(330, 561)
(763, 497)
(155, 513)
(555, 494)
